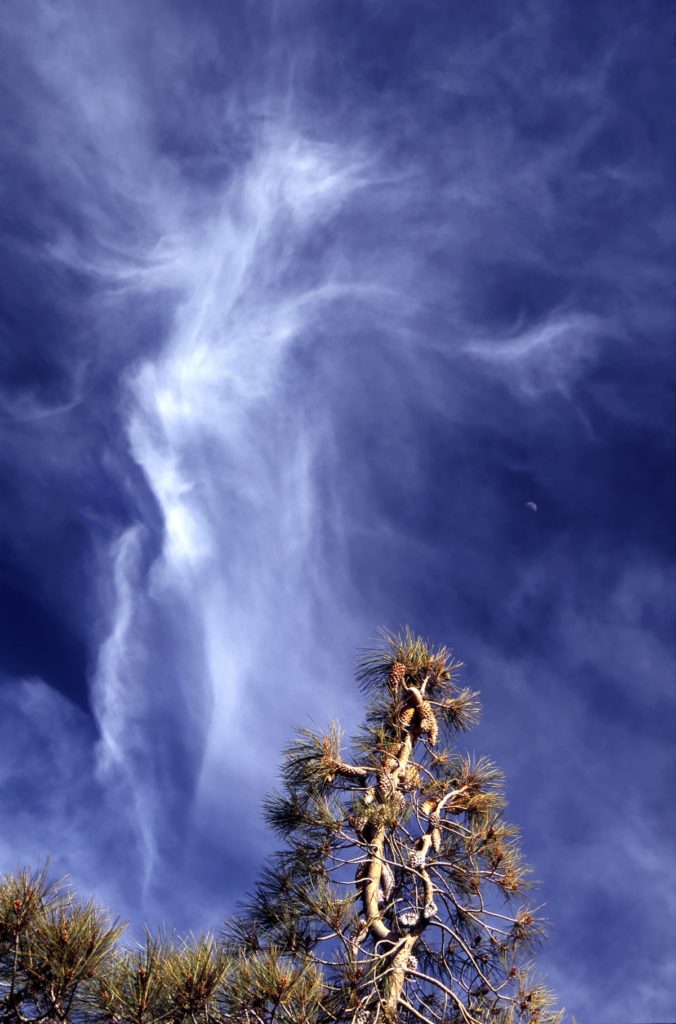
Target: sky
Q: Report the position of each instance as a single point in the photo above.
(302, 304)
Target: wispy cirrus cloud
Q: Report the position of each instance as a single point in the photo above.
(311, 331)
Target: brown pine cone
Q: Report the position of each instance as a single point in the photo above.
(410, 779)
(427, 722)
(397, 675)
(416, 859)
(357, 821)
(385, 784)
(349, 771)
(406, 717)
(362, 1017)
(387, 880)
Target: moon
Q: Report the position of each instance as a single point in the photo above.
(532, 506)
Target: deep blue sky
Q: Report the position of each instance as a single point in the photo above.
(301, 304)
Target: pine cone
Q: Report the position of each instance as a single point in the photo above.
(398, 803)
(431, 910)
(406, 717)
(358, 822)
(362, 1017)
(412, 963)
(410, 779)
(427, 722)
(435, 820)
(385, 784)
(416, 859)
(349, 771)
(408, 919)
(387, 880)
(397, 676)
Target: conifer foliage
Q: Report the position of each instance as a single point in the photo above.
(400, 886)
(398, 896)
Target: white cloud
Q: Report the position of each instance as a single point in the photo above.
(245, 622)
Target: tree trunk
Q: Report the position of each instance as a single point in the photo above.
(396, 976)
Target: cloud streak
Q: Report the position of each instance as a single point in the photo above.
(312, 330)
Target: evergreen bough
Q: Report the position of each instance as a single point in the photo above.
(399, 896)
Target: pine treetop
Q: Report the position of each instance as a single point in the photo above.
(399, 895)
(400, 881)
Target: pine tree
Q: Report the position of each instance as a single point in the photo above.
(399, 895)
(62, 962)
(52, 947)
